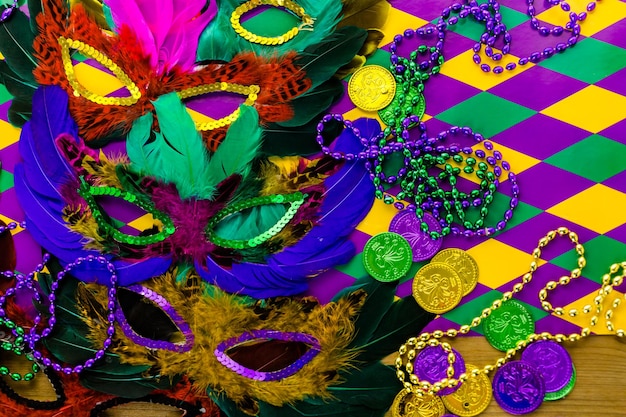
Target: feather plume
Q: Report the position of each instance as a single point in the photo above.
(220, 42)
(239, 148)
(95, 9)
(348, 196)
(310, 105)
(176, 154)
(320, 61)
(168, 34)
(16, 45)
(366, 14)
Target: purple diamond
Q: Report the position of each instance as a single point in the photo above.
(537, 88)
(540, 136)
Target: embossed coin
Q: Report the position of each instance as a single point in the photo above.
(407, 404)
(473, 396)
(431, 365)
(552, 361)
(407, 224)
(437, 287)
(553, 396)
(518, 387)
(387, 256)
(371, 88)
(508, 325)
(463, 264)
(411, 103)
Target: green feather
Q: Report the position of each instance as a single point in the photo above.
(175, 154)
(278, 140)
(16, 44)
(20, 112)
(219, 41)
(241, 145)
(322, 60)
(18, 87)
(309, 106)
(34, 8)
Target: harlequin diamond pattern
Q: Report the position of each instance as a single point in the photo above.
(561, 124)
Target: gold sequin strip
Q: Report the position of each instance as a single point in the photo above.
(80, 90)
(307, 21)
(615, 277)
(250, 91)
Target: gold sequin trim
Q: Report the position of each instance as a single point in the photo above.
(82, 91)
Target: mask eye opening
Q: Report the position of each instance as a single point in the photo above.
(80, 90)
(250, 91)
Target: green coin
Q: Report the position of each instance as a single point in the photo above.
(387, 256)
(557, 395)
(388, 114)
(508, 325)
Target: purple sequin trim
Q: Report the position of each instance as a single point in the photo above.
(167, 309)
(227, 361)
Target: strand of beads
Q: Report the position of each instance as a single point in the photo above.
(489, 13)
(435, 193)
(408, 351)
(29, 339)
(8, 11)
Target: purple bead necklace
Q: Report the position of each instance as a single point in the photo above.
(8, 11)
(489, 13)
(424, 191)
(33, 336)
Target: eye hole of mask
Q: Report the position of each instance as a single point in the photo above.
(267, 355)
(149, 320)
(205, 97)
(108, 227)
(88, 91)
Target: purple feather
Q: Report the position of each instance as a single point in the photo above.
(348, 198)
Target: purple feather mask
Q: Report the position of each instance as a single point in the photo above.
(254, 226)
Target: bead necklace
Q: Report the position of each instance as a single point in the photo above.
(489, 13)
(30, 338)
(408, 351)
(422, 189)
(8, 11)
(307, 21)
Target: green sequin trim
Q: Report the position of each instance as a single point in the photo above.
(294, 200)
(88, 192)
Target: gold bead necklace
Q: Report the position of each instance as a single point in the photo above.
(407, 352)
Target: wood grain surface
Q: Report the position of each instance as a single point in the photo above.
(600, 389)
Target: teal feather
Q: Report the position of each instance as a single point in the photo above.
(16, 44)
(278, 139)
(239, 148)
(322, 60)
(219, 41)
(176, 154)
(34, 8)
(310, 105)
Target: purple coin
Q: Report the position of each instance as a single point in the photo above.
(518, 387)
(431, 365)
(406, 224)
(552, 361)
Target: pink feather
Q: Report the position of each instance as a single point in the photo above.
(168, 33)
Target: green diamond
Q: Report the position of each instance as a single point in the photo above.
(603, 159)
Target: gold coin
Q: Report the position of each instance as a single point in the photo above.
(463, 264)
(437, 287)
(407, 404)
(472, 398)
(371, 88)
